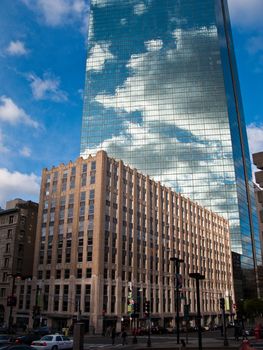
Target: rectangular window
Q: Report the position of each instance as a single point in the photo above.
(87, 297)
(93, 165)
(45, 298)
(6, 262)
(79, 273)
(66, 274)
(68, 255)
(88, 273)
(9, 233)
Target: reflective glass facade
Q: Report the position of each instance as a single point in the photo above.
(162, 94)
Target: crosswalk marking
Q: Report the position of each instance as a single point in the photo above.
(92, 346)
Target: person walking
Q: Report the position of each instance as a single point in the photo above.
(236, 331)
(124, 337)
(113, 335)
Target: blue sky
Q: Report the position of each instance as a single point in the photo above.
(42, 71)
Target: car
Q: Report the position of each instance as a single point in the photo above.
(5, 339)
(42, 331)
(27, 339)
(53, 342)
(17, 347)
(3, 330)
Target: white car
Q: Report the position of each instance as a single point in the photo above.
(53, 342)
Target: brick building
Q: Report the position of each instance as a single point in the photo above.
(18, 224)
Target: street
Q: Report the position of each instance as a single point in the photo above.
(210, 338)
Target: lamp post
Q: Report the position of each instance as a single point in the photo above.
(177, 262)
(197, 276)
(12, 300)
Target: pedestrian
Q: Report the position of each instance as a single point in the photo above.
(244, 334)
(124, 337)
(113, 335)
(236, 331)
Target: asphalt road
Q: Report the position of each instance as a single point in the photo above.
(100, 342)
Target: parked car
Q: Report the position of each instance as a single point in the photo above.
(17, 347)
(6, 339)
(27, 339)
(53, 342)
(3, 330)
(42, 331)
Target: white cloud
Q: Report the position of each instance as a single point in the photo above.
(99, 54)
(11, 113)
(25, 152)
(46, 88)
(154, 45)
(154, 77)
(246, 13)
(99, 3)
(18, 185)
(16, 48)
(123, 21)
(255, 137)
(60, 12)
(139, 9)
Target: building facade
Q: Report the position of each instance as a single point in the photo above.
(258, 161)
(162, 94)
(18, 224)
(105, 236)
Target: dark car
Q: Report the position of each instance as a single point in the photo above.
(3, 330)
(42, 331)
(27, 339)
(17, 347)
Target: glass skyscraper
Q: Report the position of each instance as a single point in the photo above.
(162, 94)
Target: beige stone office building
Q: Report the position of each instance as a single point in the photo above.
(104, 228)
(18, 224)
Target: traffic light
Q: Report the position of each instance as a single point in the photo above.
(179, 281)
(222, 303)
(147, 308)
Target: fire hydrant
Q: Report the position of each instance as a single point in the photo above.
(258, 332)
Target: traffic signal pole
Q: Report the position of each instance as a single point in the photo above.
(177, 262)
(10, 320)
(147, 314)
(222, 306)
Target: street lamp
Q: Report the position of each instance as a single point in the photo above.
(11, 300)
(177, 262)
(197, 276)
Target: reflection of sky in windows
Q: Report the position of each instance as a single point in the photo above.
(155, 97)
